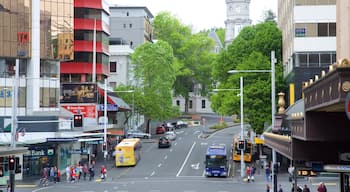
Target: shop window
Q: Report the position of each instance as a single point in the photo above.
(203, 104)
(190, 104)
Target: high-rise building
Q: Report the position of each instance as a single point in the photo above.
(35, 35)
(132, 24)
(89, 17)
(237, 18)
(308, 40)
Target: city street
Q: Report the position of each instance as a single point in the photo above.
(174, 169)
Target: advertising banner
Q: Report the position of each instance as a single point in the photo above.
(79, 93)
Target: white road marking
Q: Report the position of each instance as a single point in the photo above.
(186, 159)
(195, 166)
(166, 157)
(171, 150)
(175, 144)
(204, 143)
(159, 165)
(153, 173)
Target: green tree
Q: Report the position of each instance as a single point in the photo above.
(154, 68)
(250, 50)
(192, 52)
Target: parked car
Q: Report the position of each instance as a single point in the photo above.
(170, 126)
(138, 134)
(164, 142)
(160, 130)
(181, 124)
(171, 135)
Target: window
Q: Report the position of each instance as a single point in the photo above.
(332, 29)
(127, 13)
(178, 102)
(130, 25)
(113, 67)
(190, 104)
(314, 60)
(325, 59)
(300, 32)
(302, 60)
(323, 29)
(124, 25)
(203, 104)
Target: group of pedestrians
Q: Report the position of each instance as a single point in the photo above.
(250, 172)
(50, 174)
(77, 172)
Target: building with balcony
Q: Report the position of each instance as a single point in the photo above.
(91, 24)
(308, 40)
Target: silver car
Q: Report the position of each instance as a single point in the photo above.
(138, 134)
(171, 135)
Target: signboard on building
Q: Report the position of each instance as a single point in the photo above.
(79, 93)
(88, 111)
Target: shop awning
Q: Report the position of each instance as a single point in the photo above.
(122, 105)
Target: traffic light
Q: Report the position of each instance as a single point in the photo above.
(12, 163)
(104, 147)
(78, 121)
(241, 145)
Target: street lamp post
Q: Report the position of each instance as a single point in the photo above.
(242, 128)
(273, 106)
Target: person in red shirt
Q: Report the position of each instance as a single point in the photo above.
(103, 172)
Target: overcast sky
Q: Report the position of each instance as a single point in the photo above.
(201, 14)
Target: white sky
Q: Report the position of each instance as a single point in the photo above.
(210, 13)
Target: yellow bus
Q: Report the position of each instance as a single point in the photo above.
(128, 152)
(248, 151)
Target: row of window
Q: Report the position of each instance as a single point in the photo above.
(315, 30)
(49, 97)
(314, 59)
(315, 2)
(190, 104)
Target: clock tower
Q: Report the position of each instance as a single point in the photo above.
(237, 18)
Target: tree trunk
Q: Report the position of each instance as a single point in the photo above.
(147, 125)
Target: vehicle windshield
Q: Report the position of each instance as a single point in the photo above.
(215, 160)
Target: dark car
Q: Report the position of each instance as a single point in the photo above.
(164, 142)
(160, 130)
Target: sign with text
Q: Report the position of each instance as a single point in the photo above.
(110, 107)
(88, 111)
(79, 93)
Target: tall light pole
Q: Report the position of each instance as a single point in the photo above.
(242, 128)
(273, 108)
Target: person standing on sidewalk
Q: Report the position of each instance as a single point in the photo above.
(103, 172)
(85, 171)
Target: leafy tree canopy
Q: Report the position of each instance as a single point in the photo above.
(154, 66)
(250, 50)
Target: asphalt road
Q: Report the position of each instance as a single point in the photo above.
(179, 168)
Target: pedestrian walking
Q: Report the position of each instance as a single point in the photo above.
(280, 188)
(321, 187)
(85, 171)
(252, 173)
(248, 173)
(267, 173)
(68, 173)
(91, 173)
(306, 188)
(103, 172)
(267, 188)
